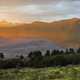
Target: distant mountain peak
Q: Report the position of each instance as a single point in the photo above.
(5, 23)
(74, 19)
(39, 22)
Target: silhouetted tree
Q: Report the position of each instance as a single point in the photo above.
(1, 55)
(47, 53)
(35, 59)
(61, 52)
(78, 50)
(71, 50)
(53, 52)
(49, 59)
(21, 57)
(67, 51)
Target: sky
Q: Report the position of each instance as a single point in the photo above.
(38, 10)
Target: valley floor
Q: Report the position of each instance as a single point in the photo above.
(51, 73)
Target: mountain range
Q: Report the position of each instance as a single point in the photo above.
(40, 35)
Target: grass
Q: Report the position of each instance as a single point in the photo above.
(52, 73)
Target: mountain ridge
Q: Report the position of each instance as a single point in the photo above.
(4, 22)
(65, 32)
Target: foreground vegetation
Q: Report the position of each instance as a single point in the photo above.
(56, 73)
(53, 65)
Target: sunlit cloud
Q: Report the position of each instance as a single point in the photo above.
(45, 10)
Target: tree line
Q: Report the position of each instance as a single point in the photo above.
(36, 59)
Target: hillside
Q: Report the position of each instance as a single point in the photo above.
(64, 33)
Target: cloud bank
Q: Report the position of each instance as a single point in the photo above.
(42, 10)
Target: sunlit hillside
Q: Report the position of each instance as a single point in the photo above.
(64, 33)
